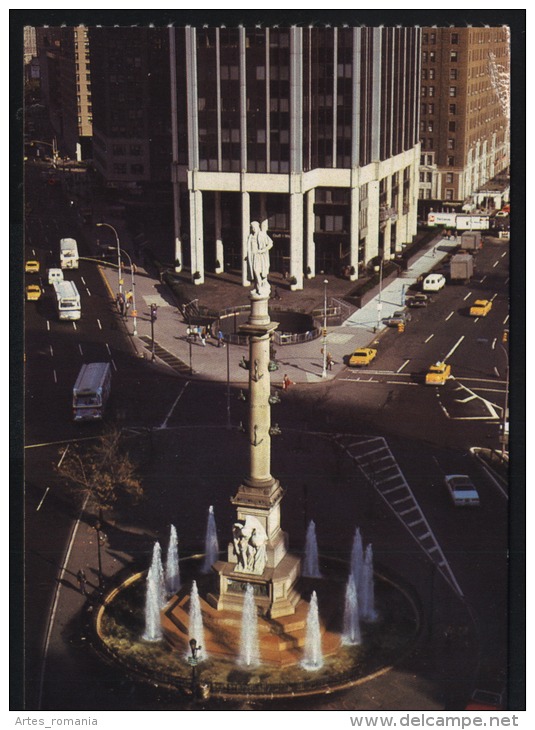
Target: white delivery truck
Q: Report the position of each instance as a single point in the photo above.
(68, 303)
(68, 253)
(91, 391)
(433, 282)
(459, 222)
(55, 276)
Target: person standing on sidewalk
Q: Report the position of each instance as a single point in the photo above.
(329, 361)
(82, 582)
(286, 382)
(220, 338)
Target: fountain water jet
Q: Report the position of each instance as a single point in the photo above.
(196, 628)
(351, 634)
(211, 544)
(172, 569)
(250, 652)
(366, 588)
(357, 558)
(313, 658)
(155, 597)
(311, 565)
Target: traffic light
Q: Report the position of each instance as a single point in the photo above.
(324, 332)
(153, 312)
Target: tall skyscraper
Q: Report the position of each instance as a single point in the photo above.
(464, 127)
(313, 129)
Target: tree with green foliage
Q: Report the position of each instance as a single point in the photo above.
(103, 473)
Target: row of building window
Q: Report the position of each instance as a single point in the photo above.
(431, 90)
(431, 38)
(429, 126)
(430, 74)
(121, 168)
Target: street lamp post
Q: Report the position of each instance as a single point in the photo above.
(153, 318)
(98, 528)
(324, 371)
(506, 403)
(108, 225)
(132, 274)
(379, 301)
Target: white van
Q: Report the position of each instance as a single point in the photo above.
(433, 282)
(55, 276)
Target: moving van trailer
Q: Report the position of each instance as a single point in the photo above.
(55, 276)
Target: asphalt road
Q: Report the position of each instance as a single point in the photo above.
(430, 431)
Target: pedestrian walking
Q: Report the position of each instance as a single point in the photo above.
(82, 582)
(220, 338)
(286, 382)
(202, 335)
(330, 361)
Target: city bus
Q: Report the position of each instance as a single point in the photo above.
(91, 391)
(68, 253)
(68, 304)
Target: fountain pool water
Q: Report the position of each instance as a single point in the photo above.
(155, 597)
(311, 563)
(172, 570)
(196, 628)
(351, 634)
(313, 658)
(211, 544)
(249, 651)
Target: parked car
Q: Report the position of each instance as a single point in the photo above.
(417, 300)
(434, 282)
(462, 490)
(438, 374)
(397, 318)
(33, 292)
(362, 356)
(32, 267)
(480, 308)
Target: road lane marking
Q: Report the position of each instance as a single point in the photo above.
(48, 324)
(450, 315)
(494, 297)
(179, 396)
(114, 365)
(55, 377)
(80, 348)
(99, 324)
(401, 368)
(503, 254)
(429, 338)
(33, 252)
(87, 290)
(450, 353)
(468, 295)
(476, 320)
(83, 280)
(507, 280)
(494, 345)
(74, 325)
(482, 280)
(398, 382)
(42, 499)
(506, 320)
(495, 264)
(50, 349)
(108, 349)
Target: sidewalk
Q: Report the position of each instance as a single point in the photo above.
(302, 362)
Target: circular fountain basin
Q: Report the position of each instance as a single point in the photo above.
(119, 626)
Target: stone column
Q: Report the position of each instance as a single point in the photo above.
(296, 238)
(311, 246)
(219, 250)
(245, 228)
(354, 232)
(372, 239)
(197, 236)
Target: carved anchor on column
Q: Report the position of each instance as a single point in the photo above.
(255, 441)
(256, 375)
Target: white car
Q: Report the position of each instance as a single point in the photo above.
(462, 490)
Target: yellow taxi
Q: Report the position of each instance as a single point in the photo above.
(480, 308)
(362, 356)
(33, 292)
(32, 267)
(438, 374)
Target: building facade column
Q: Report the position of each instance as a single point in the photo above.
(245, 230)
(412, 215)
(354, 233)
(387, 230)
(372, 239)
(219, 249)
(310, 197)
(296, 239)
(197, 236)
(177, 217)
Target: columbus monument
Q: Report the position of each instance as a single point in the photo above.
(258, 550)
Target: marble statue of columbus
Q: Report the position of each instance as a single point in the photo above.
(257, 256)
